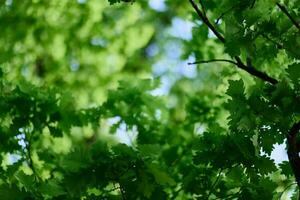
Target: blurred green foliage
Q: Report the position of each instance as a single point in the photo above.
(97, 100)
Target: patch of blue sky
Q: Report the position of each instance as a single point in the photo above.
(13, 158)
(173, 50)
(164, 88)
(81, 1)
(152, 50)
(125, 135)
(279, 153)
(181, 28)
(211, 34)
(158, 5)
(161, 67)
(74, 65)
(188, 71)
(8, 2)
(96, 41)
(113, 120)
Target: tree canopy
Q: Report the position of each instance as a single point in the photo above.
(159, 99)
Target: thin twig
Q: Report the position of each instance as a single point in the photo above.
(207, 22)
(215, 183)
(286, 12)
(287, 187)
(213, 60)
(224, 13)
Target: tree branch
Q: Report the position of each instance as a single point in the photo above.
(251, 70)
(207, 22)
(293, 153)
(241, 65)
(285, 11)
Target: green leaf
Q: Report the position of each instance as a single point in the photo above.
(145, 186)
(265, 165)
(25, 181)
(160, 176)
(294, 74)
(286, 168)
(52, 189)
(149, 150)
(236, 88)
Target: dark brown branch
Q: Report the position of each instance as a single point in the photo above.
(286, 12)
(212, 60)
(241, 65)
(293, 153)
(255, 72)
(251, 70)
(206, 21)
